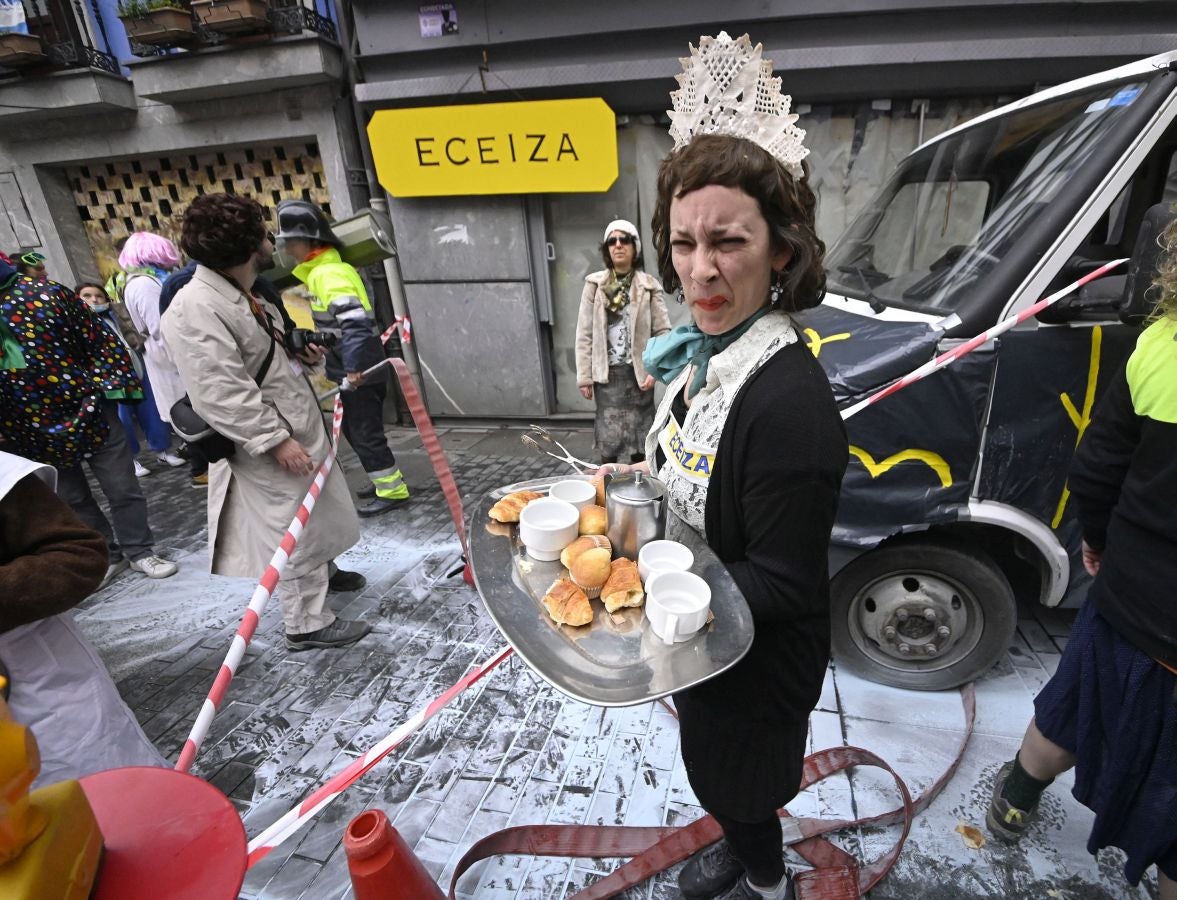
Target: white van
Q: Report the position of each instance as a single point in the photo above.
(955, 498)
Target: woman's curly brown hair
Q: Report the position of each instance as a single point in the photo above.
(223, 230)
(1166, 278)
(787, 204)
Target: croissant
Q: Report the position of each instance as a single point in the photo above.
(599, 484)
(623, 587)
(508, 509)
(567, 604)
(585, 542)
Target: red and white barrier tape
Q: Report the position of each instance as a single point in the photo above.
(257, 603)
(402, 324)
(261, 845)
(946, 359)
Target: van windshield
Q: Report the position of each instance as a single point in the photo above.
(955, 208)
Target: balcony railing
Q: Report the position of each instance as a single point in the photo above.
(213, 22)
(42, 34)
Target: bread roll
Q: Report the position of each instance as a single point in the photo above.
(592, 520)
(567, 604)
(599, 484)
(591, 569)
(623, 586)
(508, 509)
(582, 543)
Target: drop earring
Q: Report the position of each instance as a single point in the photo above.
(680, 297)
(777, 289)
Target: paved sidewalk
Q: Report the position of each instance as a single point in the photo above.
(512, 750)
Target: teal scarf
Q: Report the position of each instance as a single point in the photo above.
(667, 355)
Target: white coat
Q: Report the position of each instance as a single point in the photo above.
(141, 297)
(61, 689)
(218, 347)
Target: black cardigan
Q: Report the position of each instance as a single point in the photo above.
(770, 508)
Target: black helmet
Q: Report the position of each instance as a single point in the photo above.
(303, 219)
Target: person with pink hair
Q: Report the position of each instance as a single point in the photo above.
(148, 259)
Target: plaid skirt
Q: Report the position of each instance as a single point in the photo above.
(625, 413)
(1115, 708)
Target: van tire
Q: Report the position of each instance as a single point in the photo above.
(926, 615)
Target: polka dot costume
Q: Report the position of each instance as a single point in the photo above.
(50, 410)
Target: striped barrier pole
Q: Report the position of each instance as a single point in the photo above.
(946, 359)
(257, 603)
(290, 823)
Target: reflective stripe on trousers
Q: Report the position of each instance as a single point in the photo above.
(389, 484)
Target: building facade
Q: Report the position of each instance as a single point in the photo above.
(120, 135)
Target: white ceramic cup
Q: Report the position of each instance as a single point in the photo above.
(656, 557)
(579, 493)
(677, 605)
(547, 526)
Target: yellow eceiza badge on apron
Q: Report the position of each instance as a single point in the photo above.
(692, 460)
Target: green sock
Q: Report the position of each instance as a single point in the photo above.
(1022, 789)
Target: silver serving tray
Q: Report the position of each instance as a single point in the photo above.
(616, 660)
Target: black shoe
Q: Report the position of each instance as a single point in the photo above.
(380, 505)
(339, 633)
(366, 493)
(346, 581)
(710, 872)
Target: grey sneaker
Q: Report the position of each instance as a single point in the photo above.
(710, 872)
(154, 566)
(113, 571)
(339, 633)
(1004, 820)
(741, 890)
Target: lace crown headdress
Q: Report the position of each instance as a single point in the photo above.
(727, 88)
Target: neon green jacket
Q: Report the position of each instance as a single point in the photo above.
(340, 305)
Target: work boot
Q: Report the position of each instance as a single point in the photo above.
(366, 493)
(1004, 820)
(381, 505)
(346, 581)
(741, 890)
(339, 633)
(710, 872)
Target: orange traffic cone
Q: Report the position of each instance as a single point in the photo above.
(381, 864)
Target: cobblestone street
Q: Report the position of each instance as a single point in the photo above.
(512, 750)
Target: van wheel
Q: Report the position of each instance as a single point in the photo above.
(922, 615)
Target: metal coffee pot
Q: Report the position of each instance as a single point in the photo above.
(636, 507)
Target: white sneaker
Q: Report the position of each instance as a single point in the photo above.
(141, 471)
(170, 458)
(154, 567)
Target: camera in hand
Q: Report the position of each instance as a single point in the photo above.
(298, 338)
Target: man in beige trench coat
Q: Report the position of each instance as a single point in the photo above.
(220, 335)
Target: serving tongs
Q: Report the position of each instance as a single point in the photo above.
(539, 433)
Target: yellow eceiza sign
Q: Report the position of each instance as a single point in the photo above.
(533, 147)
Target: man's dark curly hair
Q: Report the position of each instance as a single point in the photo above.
(223, 230)
(787, 204)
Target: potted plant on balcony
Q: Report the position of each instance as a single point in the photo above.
(232, 16)
(18, 49)
(156, 21)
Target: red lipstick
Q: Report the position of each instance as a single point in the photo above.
(711, 304)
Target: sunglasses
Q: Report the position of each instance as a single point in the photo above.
(625, 239)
